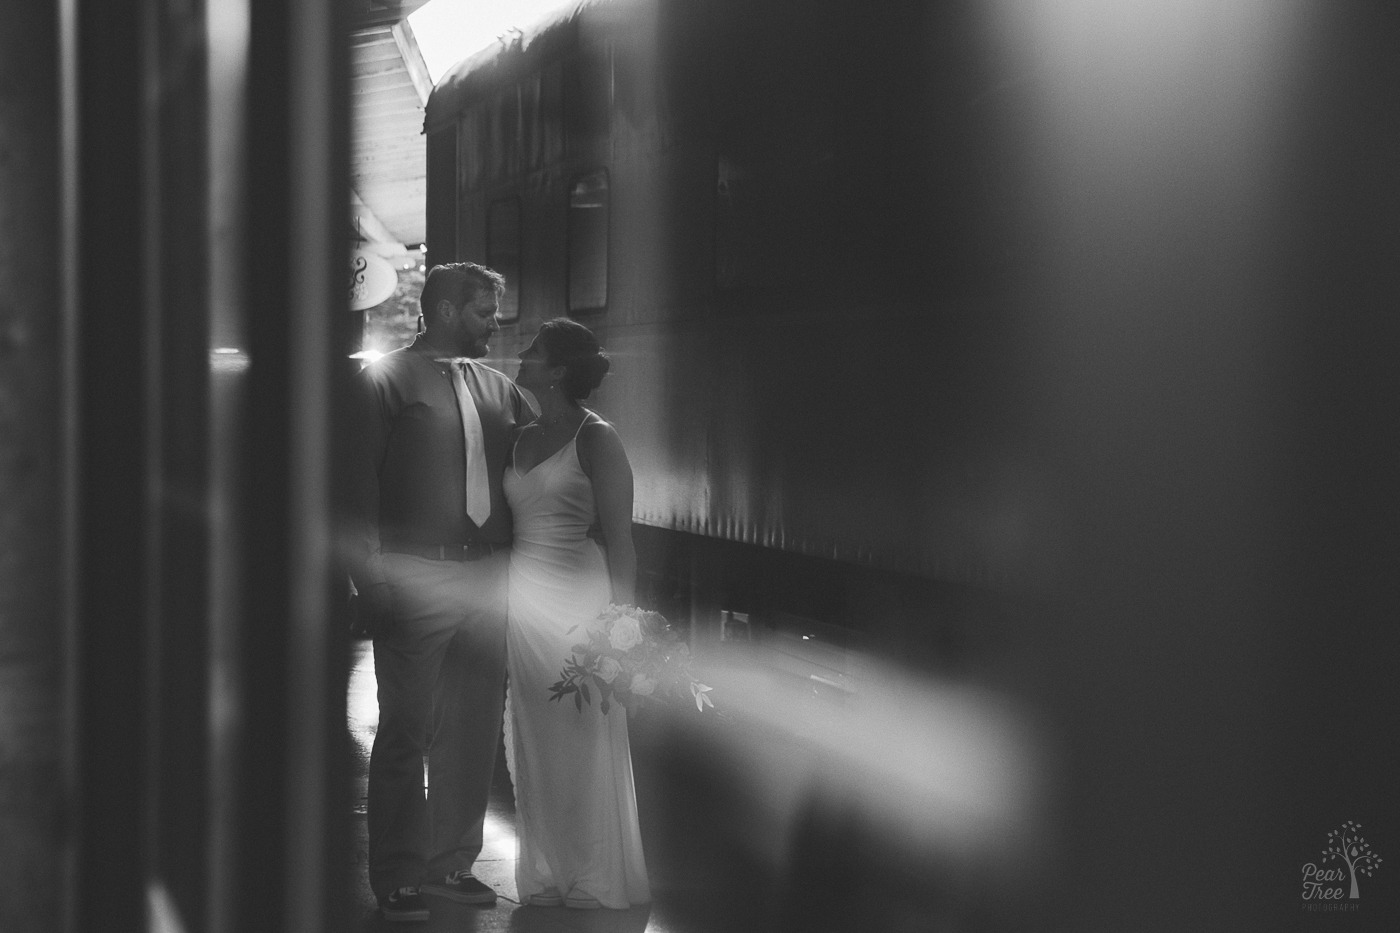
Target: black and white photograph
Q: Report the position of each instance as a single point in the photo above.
(699, 466)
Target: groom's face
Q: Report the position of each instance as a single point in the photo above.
(474, 323)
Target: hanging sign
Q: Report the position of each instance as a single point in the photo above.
(372, 280)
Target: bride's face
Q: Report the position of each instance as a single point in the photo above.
(534, 373)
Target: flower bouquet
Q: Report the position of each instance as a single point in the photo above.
(629, 655)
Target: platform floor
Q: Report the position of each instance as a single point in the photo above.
(679, 905)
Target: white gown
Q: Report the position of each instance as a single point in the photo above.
(575, 803)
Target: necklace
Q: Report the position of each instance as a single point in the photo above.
(552, 420)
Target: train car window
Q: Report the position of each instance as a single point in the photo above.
(531, 140)
(550, 117)
(503, 251)
(503, 142)
(588, 242)
(472, 129)
(588, 89)
(542, 118)
(636, 87)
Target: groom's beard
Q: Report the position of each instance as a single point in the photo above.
(474, 347)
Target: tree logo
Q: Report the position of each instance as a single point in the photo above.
(1346, 846)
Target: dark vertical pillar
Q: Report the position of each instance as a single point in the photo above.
(264, 496)
(31, 630)
(1207, 283)
(296, 253)
(1338, 388)
(178, 400)
(108, 343)
(200, 319)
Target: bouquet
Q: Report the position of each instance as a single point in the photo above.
(629, 655)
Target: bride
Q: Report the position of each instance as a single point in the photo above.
(576, 808)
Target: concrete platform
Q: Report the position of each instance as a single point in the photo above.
(797, 809)
(678, 907)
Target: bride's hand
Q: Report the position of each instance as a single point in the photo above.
(595, 531)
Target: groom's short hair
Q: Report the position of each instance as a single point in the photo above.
(459, 283)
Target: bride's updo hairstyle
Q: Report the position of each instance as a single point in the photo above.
(569, 344)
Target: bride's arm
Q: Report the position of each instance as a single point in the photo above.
(605, 461)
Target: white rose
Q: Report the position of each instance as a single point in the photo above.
(626, 634)
(607, 669)
(642, 685)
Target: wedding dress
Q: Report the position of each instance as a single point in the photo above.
(575, 802)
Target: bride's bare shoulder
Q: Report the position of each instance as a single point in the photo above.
(598, 441)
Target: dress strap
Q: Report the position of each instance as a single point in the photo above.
(589, 413)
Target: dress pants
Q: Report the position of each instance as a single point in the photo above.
(440, 672)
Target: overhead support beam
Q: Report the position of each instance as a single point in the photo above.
(376, 236)
(367, 13)
(413, 60)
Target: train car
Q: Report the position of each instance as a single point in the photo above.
(778, 218)
(781, 220)
(1004, 336)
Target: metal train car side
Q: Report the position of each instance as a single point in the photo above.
(776, 217)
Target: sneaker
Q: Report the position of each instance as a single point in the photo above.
(404, 906)
(549, 897)
(461, 887)
(580, 901)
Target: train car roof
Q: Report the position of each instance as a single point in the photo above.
(470, 77)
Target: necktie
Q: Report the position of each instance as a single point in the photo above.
(478, 485)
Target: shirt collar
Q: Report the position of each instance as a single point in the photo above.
(426, 349)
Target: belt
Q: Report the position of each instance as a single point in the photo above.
(457, 552)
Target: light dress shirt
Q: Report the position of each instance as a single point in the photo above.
(408, 478)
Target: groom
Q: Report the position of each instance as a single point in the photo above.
(430, 532)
